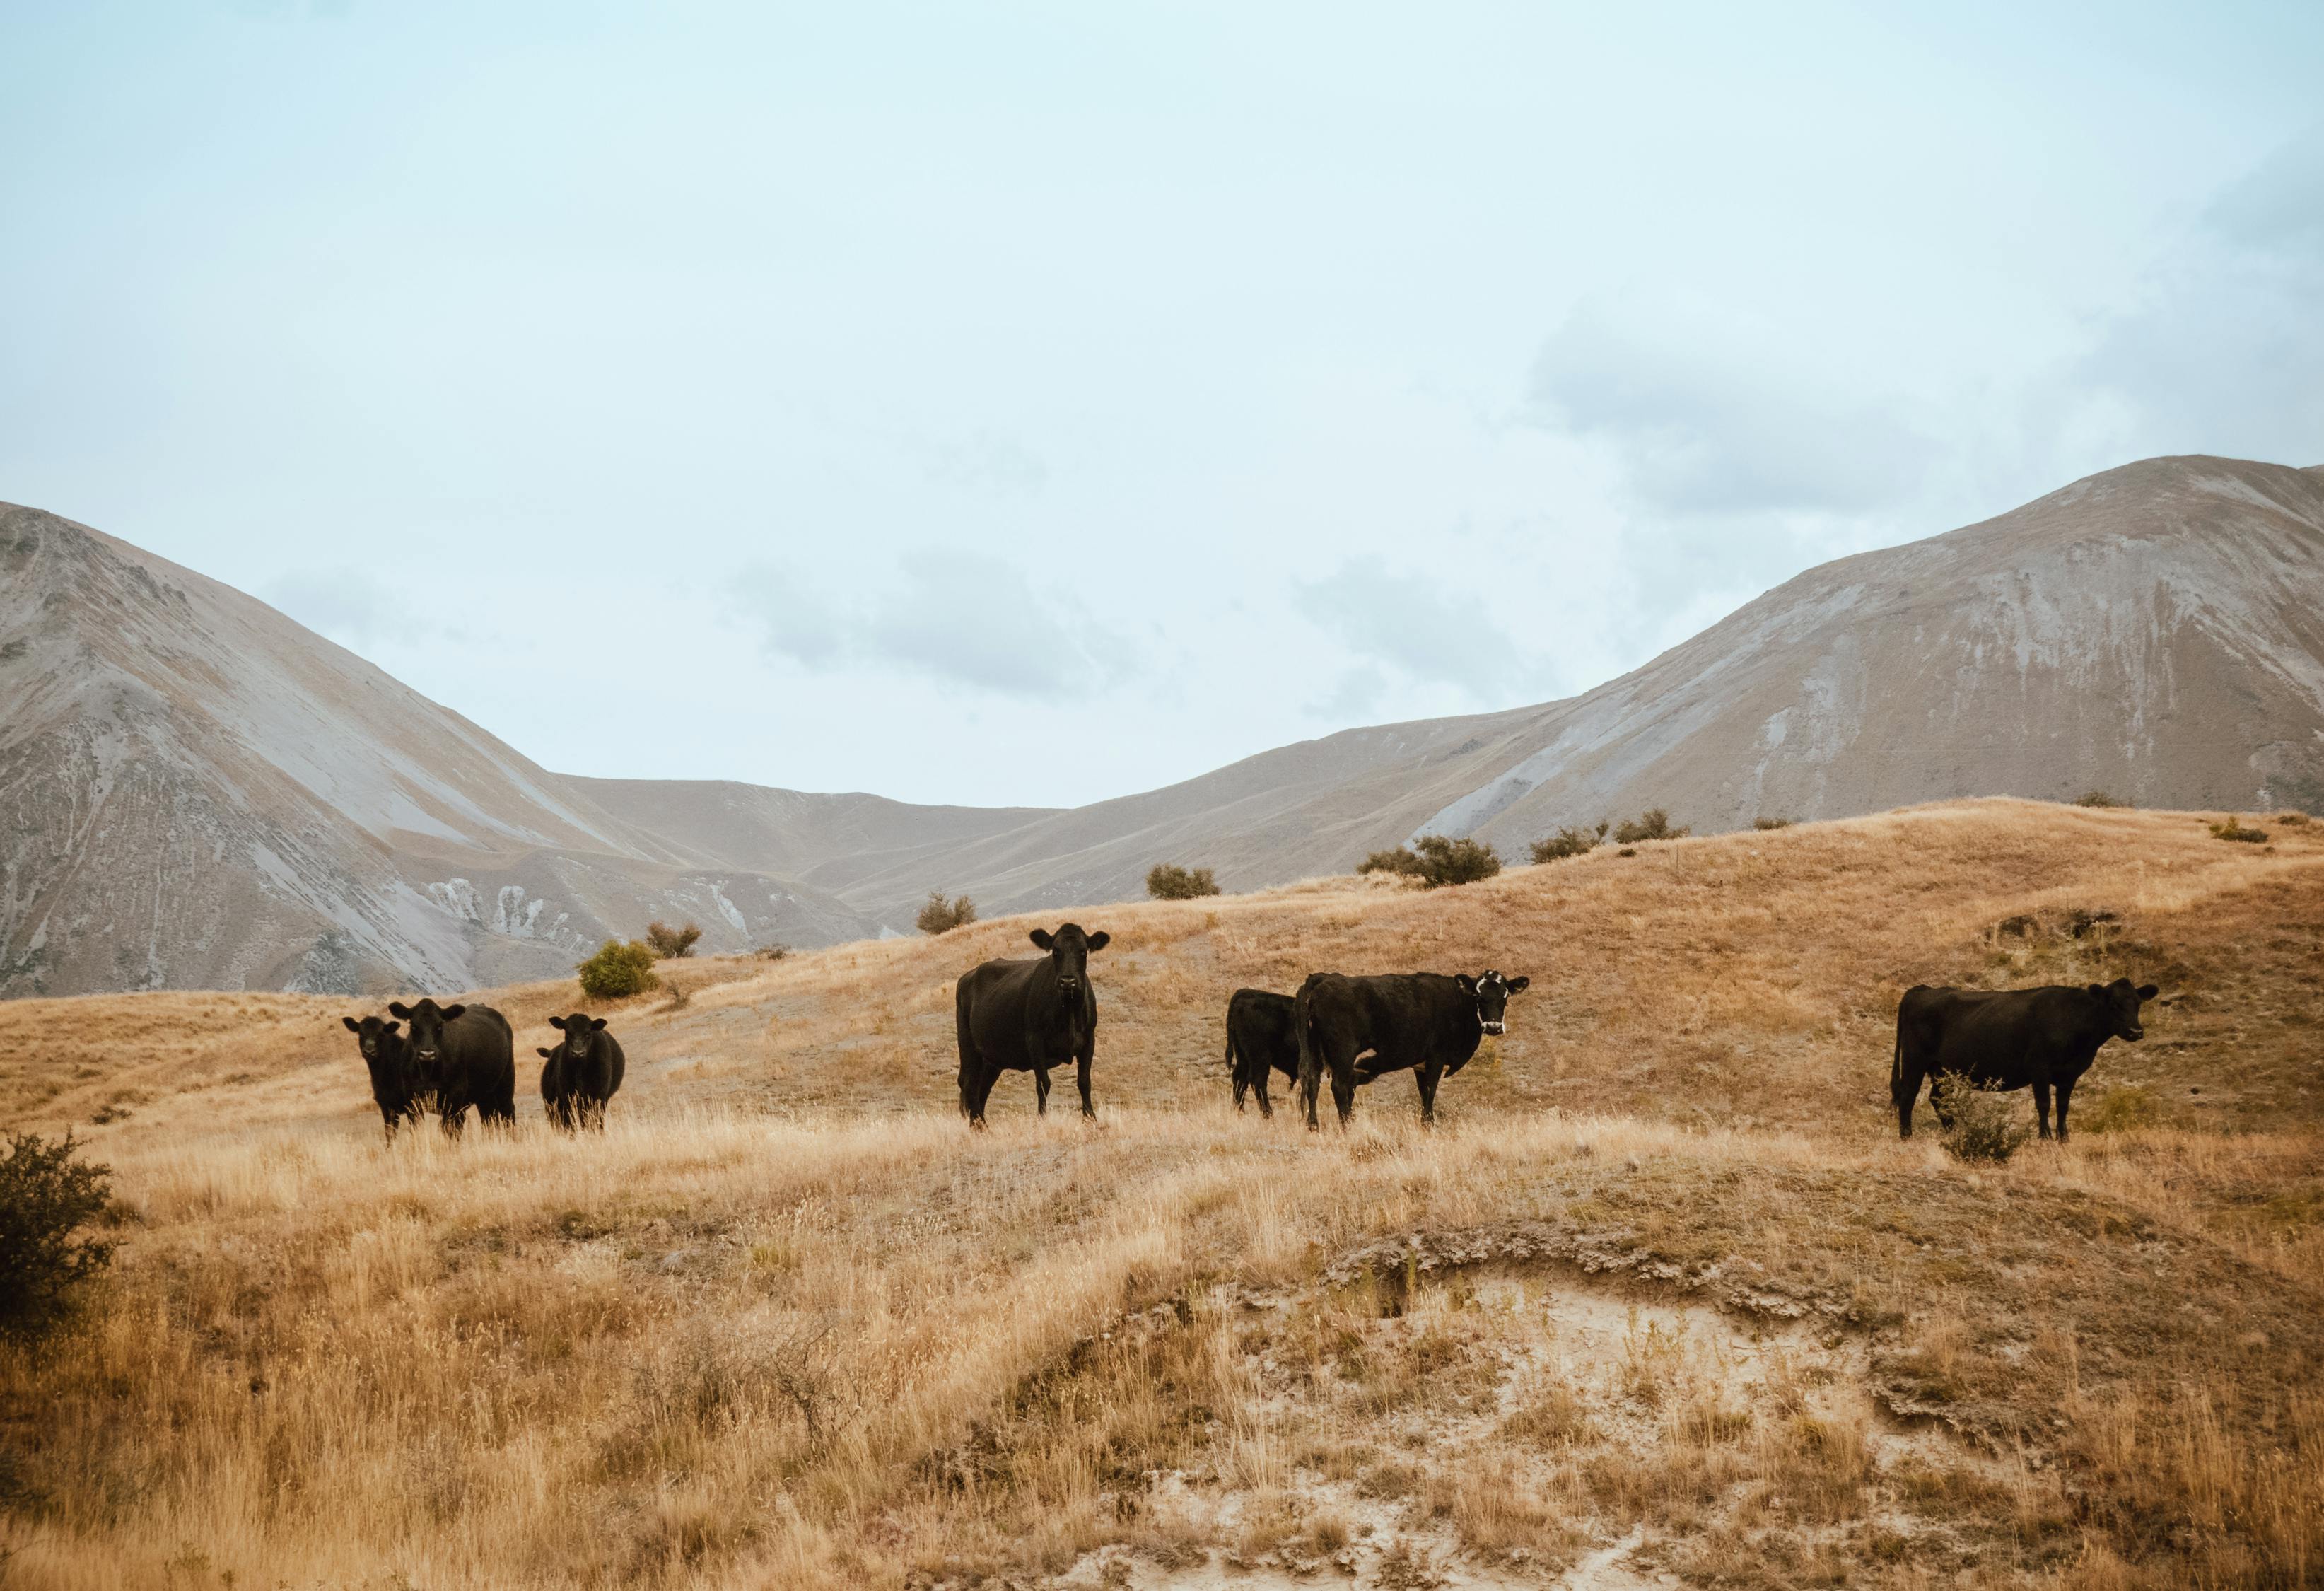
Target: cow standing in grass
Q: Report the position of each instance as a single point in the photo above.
(1018, 1016)
(1262, 1037)
(463, 1055)
(388, 1057)
(1358, 1028)
(2003, 1040)
(582, 1074)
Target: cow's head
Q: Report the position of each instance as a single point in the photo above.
(580, 1035)
(428, 1020)
(1069, 948)
(373, 1036)
(1491, 993)
(2120, 1002)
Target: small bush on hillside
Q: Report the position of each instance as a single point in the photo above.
(47, 1198)
(773, 952)
(618, 970)
(1986, 1127)
(1653, 823)
(1436, 861)
(2098, 798)
(2230, 828)
(941, 916)
(2292, 820)
(668, 942)
(1765, 824)
(1170, 882)
(1568, 842)
(2122, 1110)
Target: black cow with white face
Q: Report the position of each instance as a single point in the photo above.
(463, 1055)
(388, 1057)
(2004, 1039)
(1028, 1016)
(1361, 1028)
(582, 1073)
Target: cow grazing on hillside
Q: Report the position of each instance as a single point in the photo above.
(1358, 1028)
(582, 1073)
(1262, 1037)
(463, 1055)
(388, 1057)
(1016, 1016)
(2004, 1039)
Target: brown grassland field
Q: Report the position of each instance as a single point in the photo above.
(1662, 1300)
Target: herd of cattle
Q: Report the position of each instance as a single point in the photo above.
(1037, 1015)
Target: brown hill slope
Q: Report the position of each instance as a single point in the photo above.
(789, 1322)
(203, 794)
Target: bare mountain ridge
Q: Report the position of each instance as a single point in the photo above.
(2156, 631)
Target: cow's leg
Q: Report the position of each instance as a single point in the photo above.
(2065, 1097)
(1242, 1085)
(2042, 1104)
(1343, 1088)
(1082, 1082)
(454, 1120)
(1259, 1077)
(1427, 1077)
(1041, 1091)
(980, 1091)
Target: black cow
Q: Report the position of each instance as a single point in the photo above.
(1422, 1020)
(463, 1055)
(582, 1073)
(1262, 1037)
(1018, 1016)
(389, 1058)
(2004, 1039)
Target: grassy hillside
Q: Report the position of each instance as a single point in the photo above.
(1663, 1296)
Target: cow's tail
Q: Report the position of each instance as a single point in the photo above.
(1232, 1070)
(1311, 1059)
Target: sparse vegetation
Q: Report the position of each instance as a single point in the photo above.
(618, 970)
(2231, 828)
(1436, 861)
(1765, 824)
(2097, 797)
(49, 1199)
(1983, 1126)
(940, 916)
(2128, 1108)
(1169, 882)
(1653, 823)
(670, 943)
(1568, 842)
(775, 952)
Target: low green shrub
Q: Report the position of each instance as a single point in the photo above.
(1986, 1127)
(2097, 797)
(1437, 862)
(1765, 824)
(48, 1199)
(1568, 842)
(618, 970)
(940, 916)
(1170, 882)
(1653, 823)
(2232, 828)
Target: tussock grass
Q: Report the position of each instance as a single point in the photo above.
(1663, 1278)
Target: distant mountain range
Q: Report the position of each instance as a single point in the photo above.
(201, 793)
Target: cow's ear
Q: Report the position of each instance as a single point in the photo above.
(1518, 985)
(2098, 989)
(452, 1012)
(399, 1009)
(390, 1027)
(353, 1025)
(596, 1024)
(1099, 940)
(1041, 939)
(557, 1022)
(1464, 983)
(2148, 991)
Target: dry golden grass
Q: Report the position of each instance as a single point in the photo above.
(1664, 1288)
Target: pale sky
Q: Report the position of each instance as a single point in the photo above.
(1007, 404)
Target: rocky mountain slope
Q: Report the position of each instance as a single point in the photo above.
(200, 793)
(204, 794)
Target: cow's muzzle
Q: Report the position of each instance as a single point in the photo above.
(2135, 1034)
(1491, 1027)
(427, 1055)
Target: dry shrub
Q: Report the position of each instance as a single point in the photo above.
(1568, 842)
(670, 943)
(47, 1199)
(940, 916)
(1170, 882)
(618, 970)
(1985, 1127)
(1765, 824)
(1436, 861)
(2231, 828)
(775, 952)
(1653, 823)
(2097, 797)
